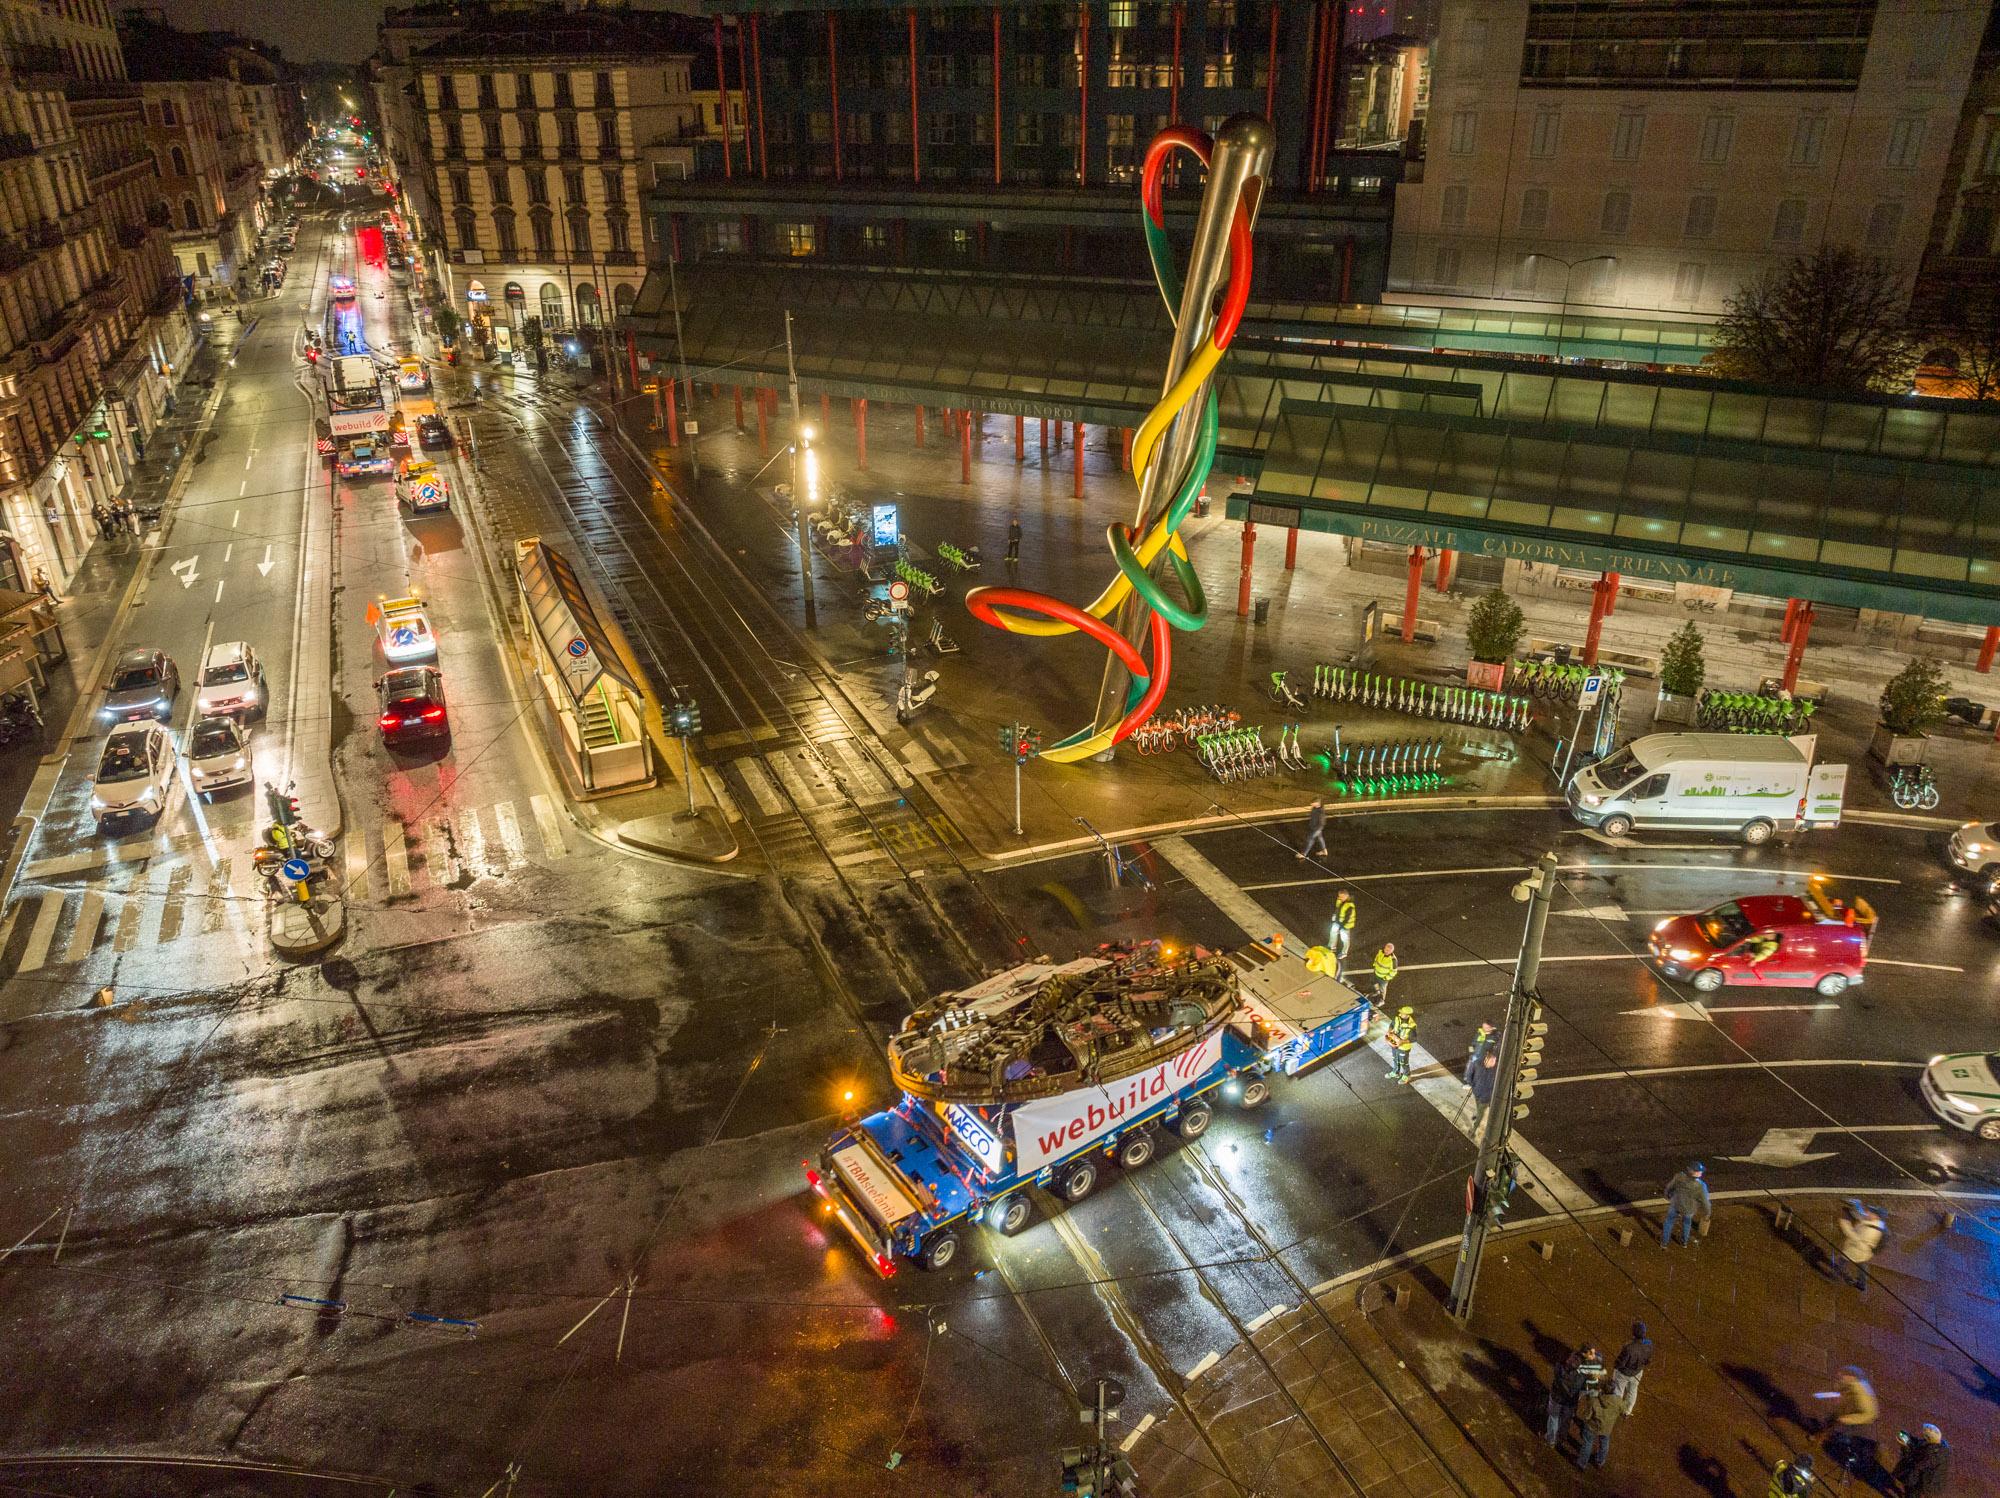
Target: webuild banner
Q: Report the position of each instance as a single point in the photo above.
(1052, 1128)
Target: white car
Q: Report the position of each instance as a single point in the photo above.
(1974, 851)
(403, 627)
(219, 755)
(1963, 1089)
(136, 774)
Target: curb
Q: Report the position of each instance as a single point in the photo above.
(300, 931)
(637, 834)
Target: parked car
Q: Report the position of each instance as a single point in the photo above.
(134, 775)
(143, 684)
(433, 433)
(219, 755)
(232, 681)
(1963, 1089)
(1772, 941)
(413, 705)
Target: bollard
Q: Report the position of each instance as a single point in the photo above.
(1624, 1234)
(1546, 1249)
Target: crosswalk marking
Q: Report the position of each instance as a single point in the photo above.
(43, 932)
(396, 859)
(550, 825)
(176, 907)
(471, 841)
(719, 790)
(356, 882)
(869, 778)
(216, 911)
(509, 824)
(84, 936)
(438, 858)
(802, 794)
(759, 784)
(127, 936)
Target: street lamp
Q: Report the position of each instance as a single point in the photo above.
(1569, 267)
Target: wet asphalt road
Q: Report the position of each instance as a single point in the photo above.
(506, 1195)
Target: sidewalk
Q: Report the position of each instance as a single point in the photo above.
(1315, 615)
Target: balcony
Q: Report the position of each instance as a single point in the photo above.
(621, 257)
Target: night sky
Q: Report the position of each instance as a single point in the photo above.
(307, 30)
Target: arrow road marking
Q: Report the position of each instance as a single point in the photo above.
(264, 567)
(189, 576)
(1788, 1147)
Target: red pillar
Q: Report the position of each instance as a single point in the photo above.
(1611, 581)
(1078, 445)
(1447, 562)
(1601, 593)
(1987, 647)
(1045, 436)
(737, 391)
(920, 426)
(1291, 548)
(763, 430)
(673, 416)
(861, 433)
(1020, 439)
(1125, 452)
(1791, 615)
(965, 452)
(1801, 628)
(1416, 581)
(1243, 577)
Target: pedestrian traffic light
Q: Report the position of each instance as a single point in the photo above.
(1535, 1032)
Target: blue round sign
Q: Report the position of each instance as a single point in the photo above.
(577, 648)
(297, 870)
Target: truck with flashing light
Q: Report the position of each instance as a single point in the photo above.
(1045, 1074)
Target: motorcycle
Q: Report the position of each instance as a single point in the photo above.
(911, 698)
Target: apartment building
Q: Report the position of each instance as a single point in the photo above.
(1960, 279)
(1652, 156)
(404, 31)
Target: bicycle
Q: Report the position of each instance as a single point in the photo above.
(1912, 787)
(1283, 695)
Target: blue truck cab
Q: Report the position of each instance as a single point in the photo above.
(907, 1183)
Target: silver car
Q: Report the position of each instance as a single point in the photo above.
(219, 756)
(1974, 851)
(144, 684)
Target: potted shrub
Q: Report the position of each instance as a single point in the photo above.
(1682, 671)
(1492, 629)
(1912, 703)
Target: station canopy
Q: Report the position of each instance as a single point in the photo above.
(567, 624)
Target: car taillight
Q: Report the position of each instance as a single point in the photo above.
(388, 721)
(433, 713)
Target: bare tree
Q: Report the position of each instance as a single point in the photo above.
(1969, 336)
(1834, 320)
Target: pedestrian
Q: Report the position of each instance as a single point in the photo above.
(101, 518)
(1854, 1411)
(1687, 1201)
(1402, 1035)
(1792, 1478)
(1596, 1415)
(1340, 930)
(1014, 539)
(1483, 1083)
(1630, 1366)
(43, 586)
(1315, 828)
(1385, 970)
(1572, 1376)
(1861, 1233)
(1925, 1465)
(1475, 1057)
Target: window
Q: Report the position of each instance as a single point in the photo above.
(1545, 132)
(1975, 229)
(895, 70)
(190, 216)
(607, 134)
(619, 230)
(812, 69)
(1627, 136)
(503, 233)
(496, 182)
(538, 184)
(447, 91)
(542, 226)
(819, 126)
(861, 129)
(572, 180)
(167, 114)
(895, 128)
(1031, 70)
(1616, 217)
(566, 139)
(1789, 226)
(1808, 140)
(1027, 129)
(1444, 266)
(1452, 209)
(799, 239)
(614, 186)
(961, 242)
(938, 69)
(1534, 208)
(1464, 132)
(524, 91)
(1906, 141)
(1700, 216)
(1124, 14)
(601, 90)
(531, 133)
(454, 143)
(579, 231)
(1219, 70)
(1687, 281)
(461, 188)
(180, 162)
(874, 239)
(941, 129)
(1718, 134)
(722, 237)
(1989, 157)
(1884, 219)
(466, 229)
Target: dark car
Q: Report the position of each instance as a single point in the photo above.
(144, 684)
(412, 705)
(433, 432)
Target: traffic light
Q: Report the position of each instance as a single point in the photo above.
(685, 719)
(284, 808)
(1535, 1033)
(1500, 1193)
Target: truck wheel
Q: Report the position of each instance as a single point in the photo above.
(1832, 986)
(939, 1249)
(1989, 1129)
(1135, 1149)
(1079, 1181)
(1256, 1092)
(1617, 826)
(1708, 980)
(1756, 834)
(1194, 1120)
(1989, 880)
(1010, 1214)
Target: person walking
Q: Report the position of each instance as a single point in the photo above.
(1340, 931)
(1630, 1366)
(101, 518)
(1687, 1201)
(1014, 539)
(1483, 1082)
(1597, 1414)
(1855, 1407)
(1385, 971)
(1402, 1035)
(1792, 1478)
(1315, 828)
(1925, 1465)
(1861, 1233)
(1572, 1376)
(1475, 1056)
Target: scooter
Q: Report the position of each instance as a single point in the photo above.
(910, 699)
(307, 842)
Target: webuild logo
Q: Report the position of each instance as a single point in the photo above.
(1048, 1130)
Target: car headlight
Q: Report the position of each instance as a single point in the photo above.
(1680, 954)
(1962, 1104)
(1590, 800)
(1975, 849)
(250, 694)
(97, 803)
(163, 702)
(239, 763)
(1662, 925)
(200, 773)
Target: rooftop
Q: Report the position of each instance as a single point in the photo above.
(547, 32)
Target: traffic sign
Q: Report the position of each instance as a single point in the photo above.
(1593, 688)
(577, 648)
(898, 591)
(296, 869)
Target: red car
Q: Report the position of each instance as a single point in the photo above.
(1773, 941)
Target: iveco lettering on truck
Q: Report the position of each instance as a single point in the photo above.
(1045, 1074)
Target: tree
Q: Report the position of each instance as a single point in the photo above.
(1913, 701)
(1494, 627)
(1832, 321)
(1682, 668)
(448, 323)
(1969, 336)
(531, 334)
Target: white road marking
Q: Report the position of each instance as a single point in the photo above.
(264, 567)
(234, 516)
(1935, 967)
(185, 571)
(719, 792)
(1789, 1147)
(228, 551)
(1208, 1361)
(509, 824)
(1550, 1187)
(249, 458)
(43, 932)
(803, 795)
(1264, 1318)
(1507, 962)
(1675, 1071)
(1570, 869)
(549, 824)
(1137, 1434)
(759, 785)
(396, 858)
(240, 488)
(84, 936)
(356, 882)
(218, 590)
(471, 841)
(127, 936)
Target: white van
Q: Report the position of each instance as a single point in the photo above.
(1750, 784)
